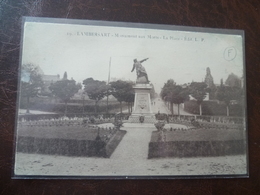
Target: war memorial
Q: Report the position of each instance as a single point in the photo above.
(142, 104)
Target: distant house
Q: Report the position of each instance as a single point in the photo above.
(47, 81)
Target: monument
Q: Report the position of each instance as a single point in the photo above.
(142, 111)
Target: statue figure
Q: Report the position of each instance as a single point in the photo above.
(140, 70)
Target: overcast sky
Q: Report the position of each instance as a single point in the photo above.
(85, 51)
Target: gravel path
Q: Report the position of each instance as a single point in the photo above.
(134, 144)
(23, 111)
(159, 106)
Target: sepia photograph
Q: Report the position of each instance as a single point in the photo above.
(130, 100)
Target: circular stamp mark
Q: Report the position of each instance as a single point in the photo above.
(230, 53)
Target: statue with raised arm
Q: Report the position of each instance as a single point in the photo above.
(140, 71)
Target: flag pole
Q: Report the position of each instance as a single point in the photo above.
(108, 80)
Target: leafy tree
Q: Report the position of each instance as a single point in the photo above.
(228, 93)
(180, 96)
(64, 89)
(153, 93)
(175, 94)
(198, 90)
(167, 93)
(122, 91)
(130, 97)
(31, 82)
(233, 80)
(95, 89)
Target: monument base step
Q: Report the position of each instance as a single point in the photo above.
(136, 119)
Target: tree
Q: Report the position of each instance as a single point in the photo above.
(198, 90)
(152, 92)
(122, 91)
(233, 80)
(175, 94)
(107, 94)
(65, 89)
(130, 97)
(31, 82)
(167, 93)
(180, 95)
(95, 89)
(227, 94)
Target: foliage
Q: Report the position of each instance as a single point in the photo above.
(227, 94)
(64, 89)
(233, 80)
(107, 94)
(118, 124)
(153, 93)
(167, 92)
(122, 91)
(159, 125)
(167, 88)
(161, 116)
(96, 90)
(175, 94)
(31, 82)
(130, 95)
(195, 123)
(198, 90)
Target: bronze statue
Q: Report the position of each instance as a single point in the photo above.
(140, 70)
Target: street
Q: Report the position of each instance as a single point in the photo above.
(159, 106)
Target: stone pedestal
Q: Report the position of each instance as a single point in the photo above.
(142, 104)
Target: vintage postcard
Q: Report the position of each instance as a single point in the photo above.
(103, 99)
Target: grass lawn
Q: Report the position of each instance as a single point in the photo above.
(201, 135)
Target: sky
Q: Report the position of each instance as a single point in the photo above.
(88, 51)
